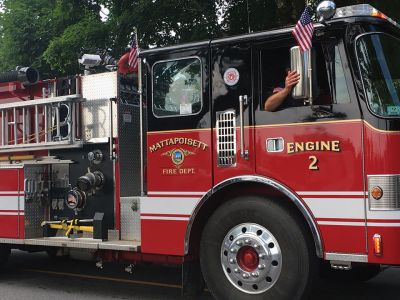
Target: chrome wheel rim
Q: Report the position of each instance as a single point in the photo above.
(251, 258)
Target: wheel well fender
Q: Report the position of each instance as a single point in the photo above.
(245, 185)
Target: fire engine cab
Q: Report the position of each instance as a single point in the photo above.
(182, 163)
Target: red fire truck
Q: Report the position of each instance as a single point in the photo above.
(182, 164)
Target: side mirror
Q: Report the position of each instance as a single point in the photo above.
(301, 62)
(326, 10)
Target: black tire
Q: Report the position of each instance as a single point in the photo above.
(5, 252)
(358, 273)
(299, 262)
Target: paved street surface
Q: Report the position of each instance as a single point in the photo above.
(36, 277)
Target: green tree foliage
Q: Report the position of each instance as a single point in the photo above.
(87, 35)
(161, 22)
(25, 33)
(78, 28)
(240, 16)
(51, 34)
(48, 34)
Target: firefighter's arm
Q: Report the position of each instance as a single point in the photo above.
(275, 100)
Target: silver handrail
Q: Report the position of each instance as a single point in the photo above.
(141, 127)
(243, 100)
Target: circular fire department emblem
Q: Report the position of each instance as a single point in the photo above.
(231, 76)
(178, 156)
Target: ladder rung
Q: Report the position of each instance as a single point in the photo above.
(23, 125)
(15, 126)
(37, 124)
(46, 124)
(3, 122)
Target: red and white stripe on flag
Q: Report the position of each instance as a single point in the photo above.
(303, 31)
(133, 59)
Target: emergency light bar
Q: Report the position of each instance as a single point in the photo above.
(362, 10)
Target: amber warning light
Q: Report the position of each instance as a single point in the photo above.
(363, 10)
(376, 192)
(377, 245)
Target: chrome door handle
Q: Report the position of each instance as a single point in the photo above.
(243, 100)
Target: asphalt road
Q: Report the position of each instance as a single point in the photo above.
(36, 277)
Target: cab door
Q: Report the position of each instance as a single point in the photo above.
(232, 102)
(316, 151)
(179, 157)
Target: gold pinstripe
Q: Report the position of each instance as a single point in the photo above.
(381, 130)
(309, 123)
(183, 130)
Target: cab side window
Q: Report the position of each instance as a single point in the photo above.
(275, 63)
(329, 83)
(177, 87)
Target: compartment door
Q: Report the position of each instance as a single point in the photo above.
(11, 203)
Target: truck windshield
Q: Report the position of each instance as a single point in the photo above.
(379, 61)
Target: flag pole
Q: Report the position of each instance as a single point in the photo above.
(136, 38)
(248, 16)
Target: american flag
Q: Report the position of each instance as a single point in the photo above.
(303, 31)
(133, 55)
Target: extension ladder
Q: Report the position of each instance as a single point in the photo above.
(40, 124)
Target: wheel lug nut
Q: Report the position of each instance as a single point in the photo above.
(239, 243)
(256, 246)
(232, 261)
(261, 255)
(261, 267)
(247, 241)
(245, 275)
(236, 270)
(233, 250)
(254, 274)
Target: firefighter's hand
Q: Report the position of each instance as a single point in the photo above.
(292, 79)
